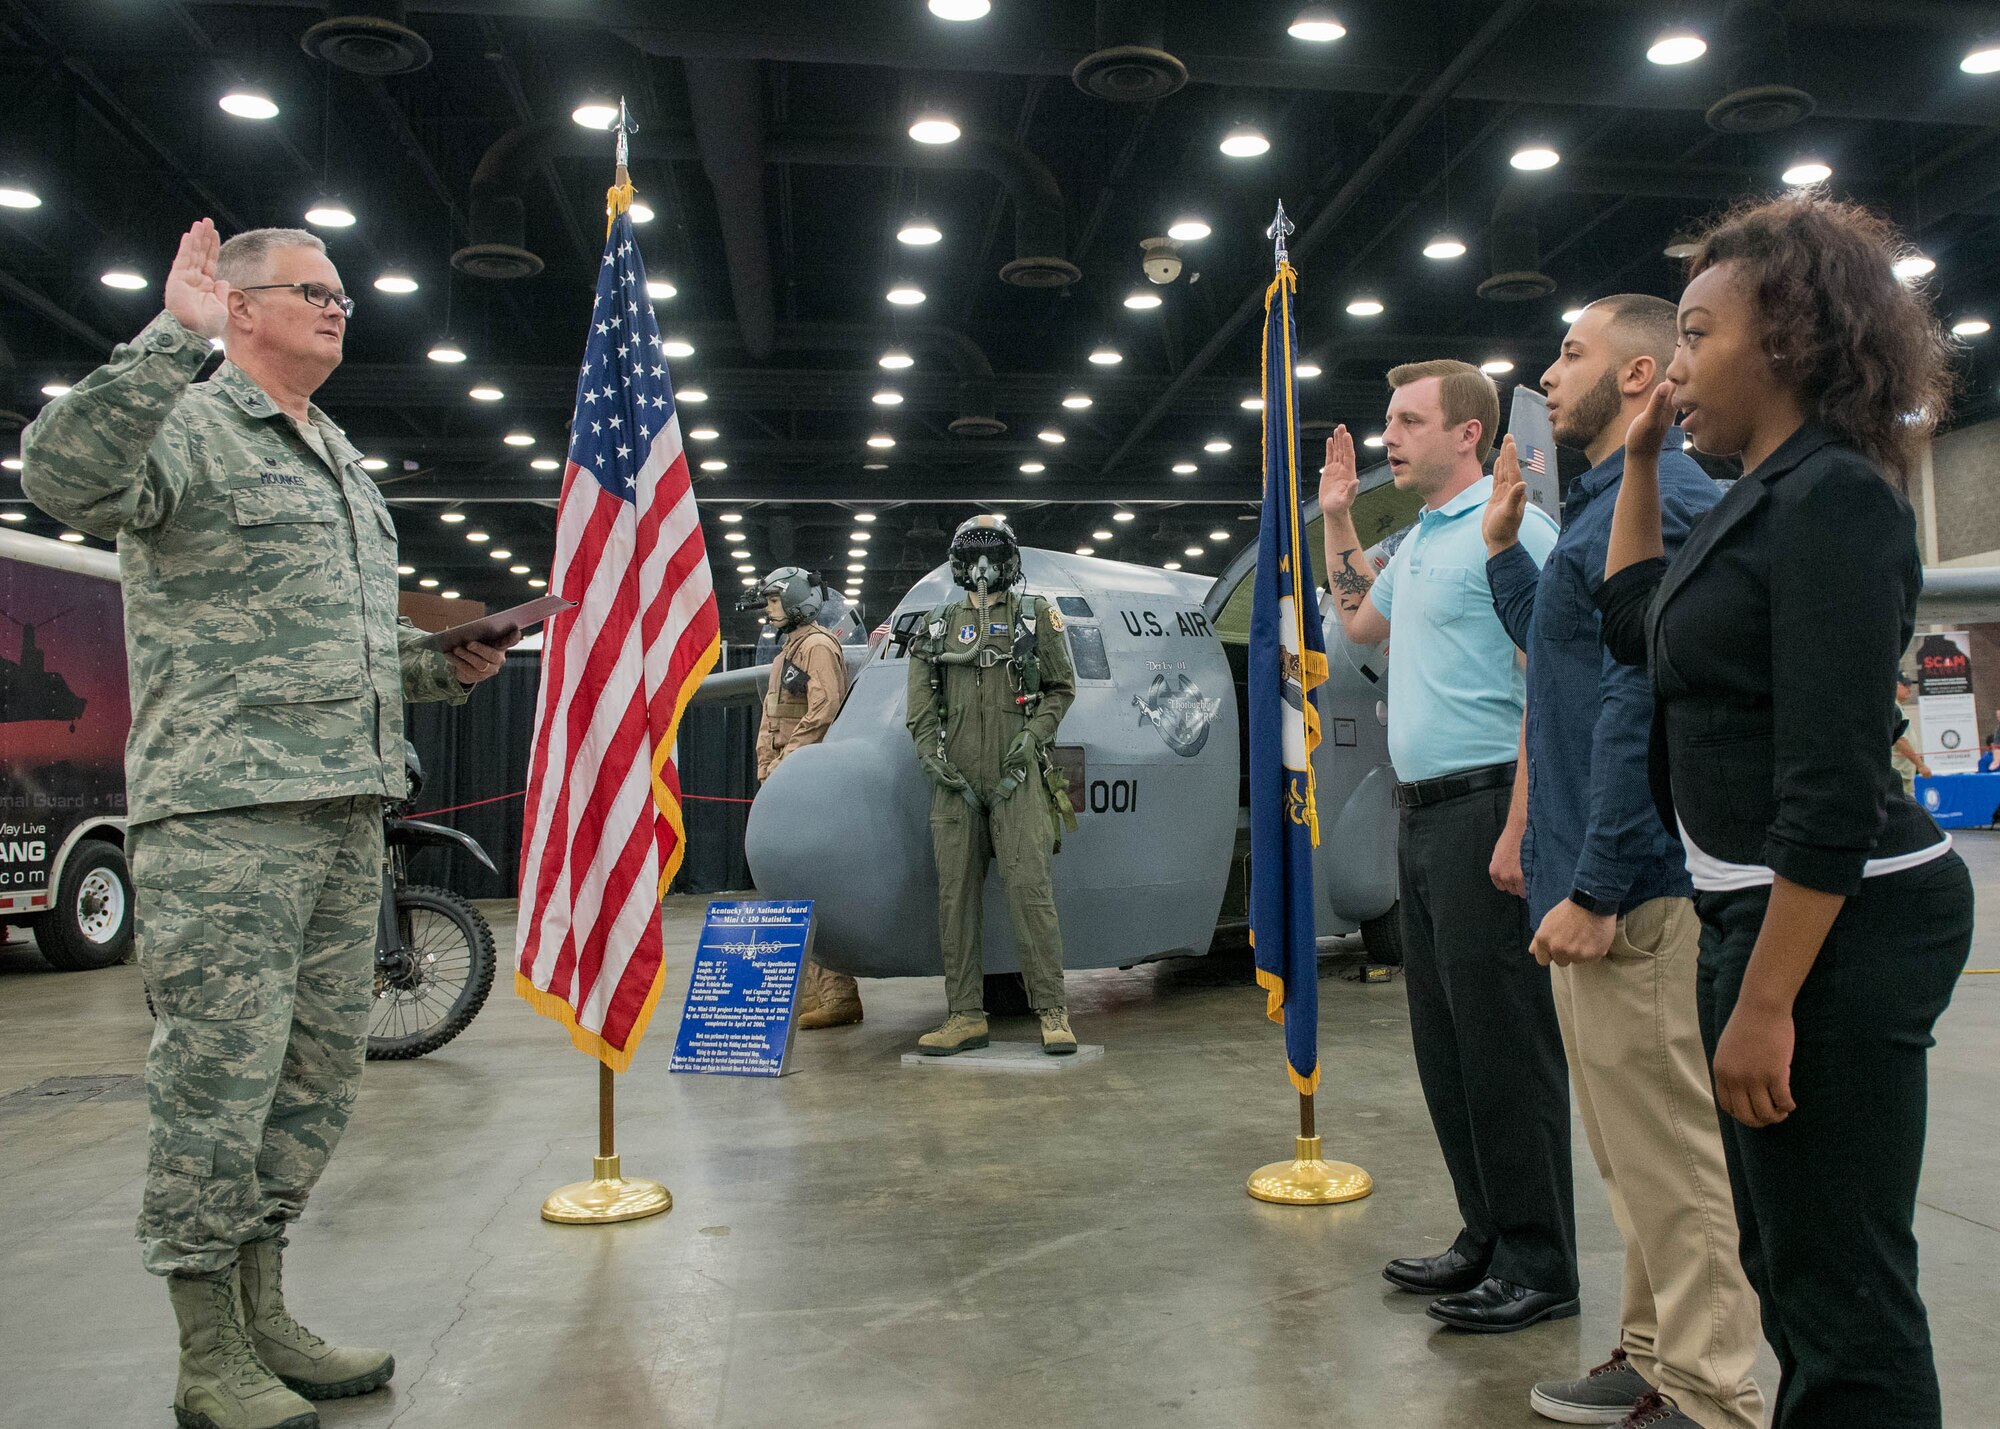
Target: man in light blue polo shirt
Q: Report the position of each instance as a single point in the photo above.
(1482, 1020)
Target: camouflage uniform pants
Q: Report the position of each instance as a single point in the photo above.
(256, 936)
(1017, 832)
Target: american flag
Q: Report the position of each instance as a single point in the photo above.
(602, 831)
(1535, 459)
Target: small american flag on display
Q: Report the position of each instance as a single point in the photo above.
(1535, 460)
(602, 830)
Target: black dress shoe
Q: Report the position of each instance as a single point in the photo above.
(1435, 1274)
(1494, 1307)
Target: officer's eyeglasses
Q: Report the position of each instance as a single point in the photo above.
(318, 294)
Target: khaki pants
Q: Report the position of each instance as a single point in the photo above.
(1631, 1027)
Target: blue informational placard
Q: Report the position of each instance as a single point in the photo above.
(747, 967)
(1961, 801)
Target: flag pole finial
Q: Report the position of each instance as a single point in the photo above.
(1280, 226)
(623, 126)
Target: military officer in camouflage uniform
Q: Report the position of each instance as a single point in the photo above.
(268, 675)
(808, 686)
(990, 679)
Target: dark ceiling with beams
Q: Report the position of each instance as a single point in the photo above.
(774, 149)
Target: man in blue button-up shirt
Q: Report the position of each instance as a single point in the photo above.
(1609, 895)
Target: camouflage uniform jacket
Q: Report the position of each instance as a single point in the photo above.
(268, 662)
(808, 685)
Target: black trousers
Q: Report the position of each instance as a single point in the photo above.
(1489, 1050)
(1825, 1199)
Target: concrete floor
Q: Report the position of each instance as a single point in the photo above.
(861, 1244)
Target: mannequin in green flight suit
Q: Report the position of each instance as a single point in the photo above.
(990, 679)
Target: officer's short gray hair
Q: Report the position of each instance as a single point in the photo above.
(246, 257)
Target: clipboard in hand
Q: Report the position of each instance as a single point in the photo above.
(499, 626)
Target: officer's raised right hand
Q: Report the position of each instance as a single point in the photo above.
(1338, 482)
(193, 293)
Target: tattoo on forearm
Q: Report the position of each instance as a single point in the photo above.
(1349, 584)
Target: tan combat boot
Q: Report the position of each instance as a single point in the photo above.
(836, 1000)
(223, 1385)
(808, 992)
(1057, 1039)
(962, 1032)
(306, 1363)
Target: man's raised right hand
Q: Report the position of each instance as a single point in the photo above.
(1501, 525)
(193, 293)
(1339, 483)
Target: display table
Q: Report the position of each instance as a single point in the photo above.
(1961, 801)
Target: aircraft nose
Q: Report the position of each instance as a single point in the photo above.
(848, 826)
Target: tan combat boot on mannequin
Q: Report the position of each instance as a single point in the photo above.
(223, 1385)
(962, 1032)
(306, 1363)
(1057, 1039)
(836, 1000)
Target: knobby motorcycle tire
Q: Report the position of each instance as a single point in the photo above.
(479, 980)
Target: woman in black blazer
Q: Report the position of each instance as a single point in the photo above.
(1835, 916)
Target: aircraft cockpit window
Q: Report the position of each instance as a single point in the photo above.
(1075, 605)
(1086, 652)
(902, 633)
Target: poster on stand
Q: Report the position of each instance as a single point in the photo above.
(1535, 447)
(745, 984)
(1947, 717)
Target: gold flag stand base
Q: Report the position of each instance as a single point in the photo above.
(606, 1197)
(1306, 1180)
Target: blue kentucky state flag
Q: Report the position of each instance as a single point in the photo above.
(1287, 661)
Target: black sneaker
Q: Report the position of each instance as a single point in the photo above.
(1605, 1395)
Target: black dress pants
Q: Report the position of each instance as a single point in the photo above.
(1825, 1199)
(1489, 1050)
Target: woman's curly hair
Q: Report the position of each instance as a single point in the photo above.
(1867, 354)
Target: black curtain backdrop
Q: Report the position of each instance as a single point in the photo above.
(479, 751)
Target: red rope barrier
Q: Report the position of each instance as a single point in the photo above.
(499, 798)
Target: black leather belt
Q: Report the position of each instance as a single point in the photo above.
(1454, 786)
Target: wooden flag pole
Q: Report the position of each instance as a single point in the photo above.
(608, 1196)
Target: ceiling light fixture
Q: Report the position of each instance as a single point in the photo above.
(715, 464)
(1107, 356)
(1086, 550)
(934, 129)
(1306, 371)
(881, 441)
(446, 351)
(905, 295)
(659, 289)
(248, 104)
(1244, 142)
(1365, 307)
(123, 279)
(1677, 47)
(857, 552)
(703, 434)
(545, 463)
(73, 537)
(395, 283)
(1372, 441)
(1142, 300)
(1033, 468)
(1496, 366)
(499, 553)
(896, 359)
(451, 518)
(1535, 157)
(486, 394)
(734, 536)
(595, 114)
(1053, 437)
(16, 196)
(1983, 59)
(919, 233)
(329, 213)
(1971, 327)
(1913, 266)
(678, 347)
(373, 463)
(1192, 551)
(517, 570)
(1316, 25)
(1123, 516)
(961, 10)
(54, 389)
(447, 595)
(696, 395)
(641, 212)
(1570, 315)
(1804, 172)
(15, 516)
(1170, 565)
(428, 583)
(860, 535)
(1188, 230)
(1216, 447)
(1100, 535)
(1076, 401)
(1185, 468)
(519, 439)
(478, 538)
(537, 583)
(1444, 247)
(1252, 404)
(730, 518)
(864, 517)
(1218, 536)
(888, 397)
(855, 568)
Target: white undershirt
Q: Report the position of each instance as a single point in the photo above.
(1715, 875)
